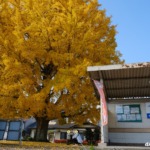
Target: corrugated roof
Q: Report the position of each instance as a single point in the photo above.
(123, 81)
(66, 126)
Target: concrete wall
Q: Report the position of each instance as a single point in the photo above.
(104, 134)
(128, 132)
(129, 137)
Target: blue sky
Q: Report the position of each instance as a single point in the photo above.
(132, 18)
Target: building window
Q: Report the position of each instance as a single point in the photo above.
(63, 135)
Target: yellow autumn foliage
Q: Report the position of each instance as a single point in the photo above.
(45, 48)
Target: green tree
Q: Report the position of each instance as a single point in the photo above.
(45, 48)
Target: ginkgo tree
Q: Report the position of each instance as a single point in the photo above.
(45, 48)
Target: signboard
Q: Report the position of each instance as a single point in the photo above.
(128, 113)
(14, 130)
(148, 110)
(13, 135)
(99, 87)
(119, 109)
(14, 125)
(3, 125)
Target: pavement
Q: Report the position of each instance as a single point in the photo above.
(26, 145)
(80, 148)
(122, 148)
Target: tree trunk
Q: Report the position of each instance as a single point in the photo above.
(42, 129)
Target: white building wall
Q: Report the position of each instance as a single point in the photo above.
(57, 135)
(127, 137)
(32, 134)
(105, 133)
(112, 118)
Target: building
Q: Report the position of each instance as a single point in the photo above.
(127, 93)
(58, 133)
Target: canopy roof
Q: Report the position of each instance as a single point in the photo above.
(123, 80)
(66, 126)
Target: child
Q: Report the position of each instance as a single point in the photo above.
(77, 138)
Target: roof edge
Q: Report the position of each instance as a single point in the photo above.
(118, 66)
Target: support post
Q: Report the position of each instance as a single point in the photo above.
(102, 127)
(20, 141)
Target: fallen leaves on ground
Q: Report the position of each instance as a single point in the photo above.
(16, 145)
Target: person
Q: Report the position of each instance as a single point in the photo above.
(69, 140)
(77, 138)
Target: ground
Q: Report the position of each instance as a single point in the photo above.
(15, 145)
